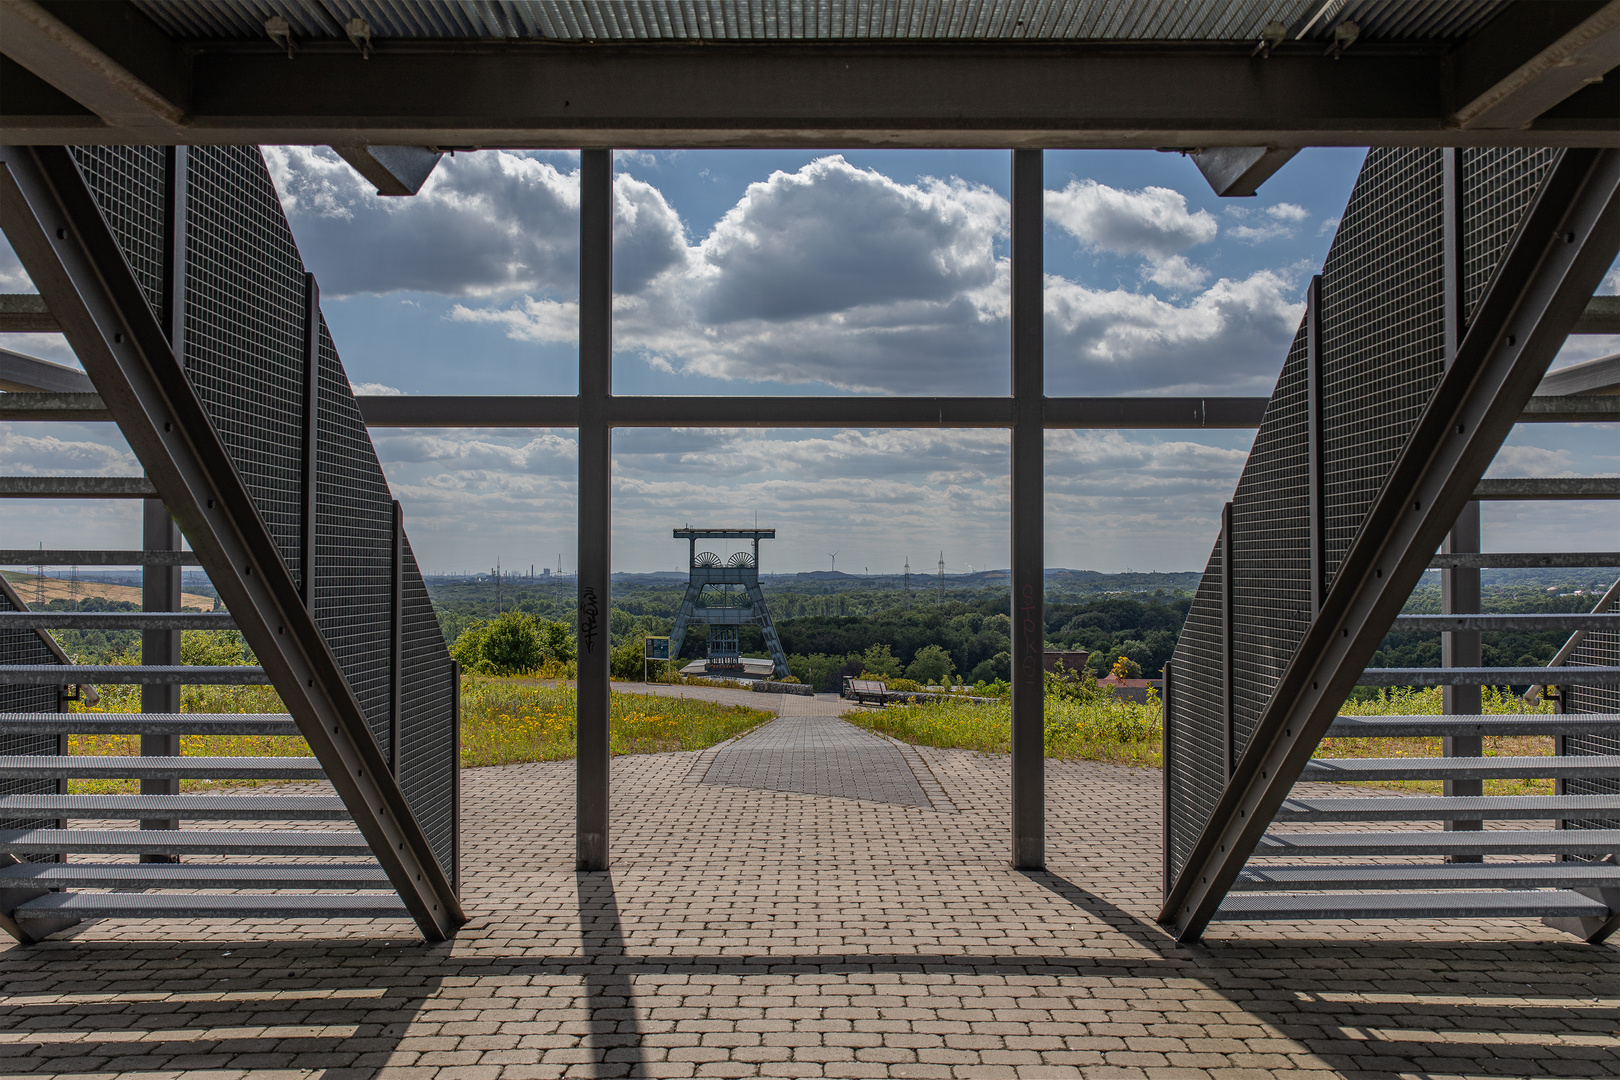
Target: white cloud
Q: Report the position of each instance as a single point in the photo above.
(45, 455)
(1291, 212)
(1176, 274)
(1229, 338)
(377, 389)
(1153, 222)
(485, 224)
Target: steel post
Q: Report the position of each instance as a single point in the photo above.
(1459, 586)
(160, 585)
(1228, 674)
(312, 430)
(160, 591)
(1314, 448)
(595, 524)
(1028, 523)
(396, 640)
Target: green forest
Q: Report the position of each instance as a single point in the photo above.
(831, 627)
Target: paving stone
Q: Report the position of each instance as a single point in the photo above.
(859, 929)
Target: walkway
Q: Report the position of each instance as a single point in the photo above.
(747, 931)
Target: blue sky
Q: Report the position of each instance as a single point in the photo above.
(779, 272)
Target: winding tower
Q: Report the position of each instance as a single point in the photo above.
(705, 569)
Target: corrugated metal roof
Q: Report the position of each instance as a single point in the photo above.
(822, 20)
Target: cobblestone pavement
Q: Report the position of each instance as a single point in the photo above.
(748, 932)
(818, 755)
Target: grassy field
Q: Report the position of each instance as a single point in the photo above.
(1114, 731)
(503, 722)
(1122, 733)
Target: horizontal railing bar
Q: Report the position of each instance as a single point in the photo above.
(130, 675)
(76, 487)
(73, 557)
(1518, 560)
(1538, 621)
(1402, 727)
(73, 408)
(26, 313)
(116, 620)
(1489, 676)
(1571, 409)
(54, 723)
(1601, 316)
(1550, 487)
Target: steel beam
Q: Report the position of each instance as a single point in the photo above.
(1602, 316)
(1562, 249)
(1587, 48)
(53, 223)
(800, 94)
(1512, 488)
(76, 487)
(1600, 376)
(1028, 816)
(50, 48)
(74, 408)
(592, 760)
(73, 557)
(29, 374)
(26, 313)
(1158, 413)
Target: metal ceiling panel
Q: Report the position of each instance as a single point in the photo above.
(821, 20)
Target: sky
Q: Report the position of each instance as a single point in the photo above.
(780, 272)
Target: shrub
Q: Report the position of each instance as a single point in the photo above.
(996, 669)
(882, 663)
(512, 644)
(932, 665)
(1126, 668)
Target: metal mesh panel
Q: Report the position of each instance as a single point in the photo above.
(1496, 189)
(1382, 327)
(25, 647)
(1196, 720)
(1598, 649)
(244, 353)
(244, 330)
(427, 751)
(1383, 331)
(354, 546)
(128, 183)
(1271, 536)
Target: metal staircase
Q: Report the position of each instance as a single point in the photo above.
(1453, 281)
(214, 360)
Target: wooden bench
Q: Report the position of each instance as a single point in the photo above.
(867, 691)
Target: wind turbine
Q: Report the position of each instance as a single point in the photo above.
(833, 555)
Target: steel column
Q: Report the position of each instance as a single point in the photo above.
(455, 776)
(1228, 675)
(58, 232)
(396, 640)
(1314, 447)
(1559, 254)
(1460, 592)
(160, 591)
(312, 431)
(1028, 520)
(1167, 749)
(160, 585)
(595, 524)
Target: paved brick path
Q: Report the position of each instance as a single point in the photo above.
(749, 932)
(818, 755)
